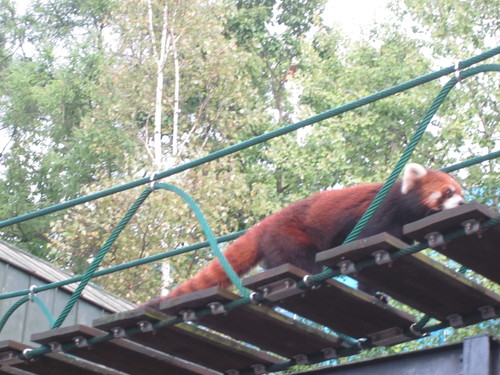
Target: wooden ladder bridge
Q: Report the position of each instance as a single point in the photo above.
(255, 338)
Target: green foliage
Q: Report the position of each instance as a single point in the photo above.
(46, 100)
(272, 32)
(451, 31)
(454, 28)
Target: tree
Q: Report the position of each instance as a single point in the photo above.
(272, 32)
(46, 96)
(215, 102)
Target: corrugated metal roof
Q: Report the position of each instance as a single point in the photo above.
(44, 270)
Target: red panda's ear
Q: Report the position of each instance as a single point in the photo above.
(412, 173)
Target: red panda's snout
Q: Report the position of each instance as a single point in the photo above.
(438, 190)
(451, 198)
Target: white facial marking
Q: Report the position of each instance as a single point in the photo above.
(455, 201)
(433, 198)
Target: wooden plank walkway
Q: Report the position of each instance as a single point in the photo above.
(479, 252)
(415, 280)
(293, 324)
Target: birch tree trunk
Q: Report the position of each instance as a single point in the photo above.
(161, 58)
(175, 130)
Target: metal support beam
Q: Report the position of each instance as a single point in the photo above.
(477, 355)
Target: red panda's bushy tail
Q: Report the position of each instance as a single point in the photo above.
(243, 255)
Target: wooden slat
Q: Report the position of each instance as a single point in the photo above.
(334, 304)
(7, 370)
(120, 354)
(187, 341)
(448, 220)
(257, 325)
(49, 364)
(480, 253)
(415, 279)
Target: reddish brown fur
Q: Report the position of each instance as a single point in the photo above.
(296, 233)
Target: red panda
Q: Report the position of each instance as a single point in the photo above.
(297, 232)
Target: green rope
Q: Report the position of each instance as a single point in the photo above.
(44, 309)
(421, 323)
(228, 269)
(11, 311)
(124, 266)
(95, 263)
(89, 274)
(259, 139)
(472, 161)
(21, 302)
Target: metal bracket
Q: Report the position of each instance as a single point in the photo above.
(301, 359)
(188, 315)
(455, 320)
(471, 226)
(435, 239)
(55, 347)
(361, 343)
(26, 353)
(280, 289)
(254, 298)
(417, 333)
(118, 332)
(259, 369)
(152, 181)
(487, 312)
(458, 72)
(307, 282)
(80, 342)
(388, 337)
(347, 267)
(382, 257)
(32, 293)
(217, 308)
(329, 353)
(145, 326)
(9, 358)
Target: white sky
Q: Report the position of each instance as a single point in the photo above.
(355, 16)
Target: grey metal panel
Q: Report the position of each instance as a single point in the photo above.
(14, 280)
(47, 272)
(20, 270)
(426, 363)
(495, 358)
(477, 355)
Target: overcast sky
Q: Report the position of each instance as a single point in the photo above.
(355, 16)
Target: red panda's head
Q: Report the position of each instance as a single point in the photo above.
(436, 190)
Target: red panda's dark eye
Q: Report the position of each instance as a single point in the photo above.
(448, 193)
